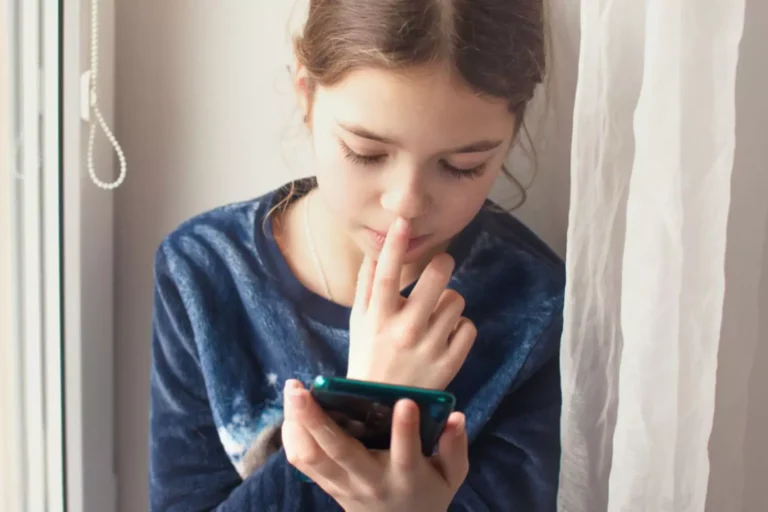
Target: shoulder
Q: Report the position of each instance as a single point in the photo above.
(508, 232)
(217, 266)
(214, 242)
(209, 232)
(509, 265)
(514, 287)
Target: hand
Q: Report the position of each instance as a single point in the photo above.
(400, 479)
(421, 341)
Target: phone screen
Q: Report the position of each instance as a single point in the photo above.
(364, 409)
(367, 420)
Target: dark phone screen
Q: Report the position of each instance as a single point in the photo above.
(370, 420)
(367, 420)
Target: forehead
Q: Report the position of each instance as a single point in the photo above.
(419, 105)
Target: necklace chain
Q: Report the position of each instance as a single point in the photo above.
(313, 250)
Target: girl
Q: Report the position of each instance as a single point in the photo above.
(390, 265)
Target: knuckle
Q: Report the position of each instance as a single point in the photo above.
(440, 268)
(291, 456)
(470, 327)
(454, 298)
(309, 456)
(388, 282)
(462, 471)
(445, 262)
(460, 301)
(300, 454)
(464, 468)
(403, 334)
(293, 459)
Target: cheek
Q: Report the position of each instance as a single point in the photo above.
(343, 187)
(457, 213)
(342, 200)
(461, 201)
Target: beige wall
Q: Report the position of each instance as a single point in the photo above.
(739, 443)
(206, 116)
(203, 112)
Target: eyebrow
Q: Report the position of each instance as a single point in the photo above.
(475, 147)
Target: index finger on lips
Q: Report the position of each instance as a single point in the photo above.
(389, 268)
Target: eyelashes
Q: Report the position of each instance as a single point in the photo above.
(370, 160)
(361, 159)
(474, 172)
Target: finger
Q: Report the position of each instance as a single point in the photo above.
(461, 342)
(452, 458)
(364, 284)
(386, 282)
(289, 408)
(305, 454)
(344, 450)
(301, 450)
(430, 287)
(446, 317)
(293, 383)
(405, 446)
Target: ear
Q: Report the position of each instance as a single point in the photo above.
(301, 87)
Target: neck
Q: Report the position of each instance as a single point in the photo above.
(339, 256)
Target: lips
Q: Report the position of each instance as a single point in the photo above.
(379, 238)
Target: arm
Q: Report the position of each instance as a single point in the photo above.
(515, 462)
(189, 469)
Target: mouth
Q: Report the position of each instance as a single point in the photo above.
(378, 239)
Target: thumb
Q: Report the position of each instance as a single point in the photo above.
(452, 457)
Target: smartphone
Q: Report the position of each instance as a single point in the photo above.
(364, 409)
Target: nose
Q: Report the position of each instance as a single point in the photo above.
(406, 196)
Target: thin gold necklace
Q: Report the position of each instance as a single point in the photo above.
(313, 250)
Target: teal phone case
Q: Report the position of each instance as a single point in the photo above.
(364, 409)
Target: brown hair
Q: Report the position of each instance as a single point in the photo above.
(496, 46)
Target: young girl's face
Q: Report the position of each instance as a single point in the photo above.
(416, 144)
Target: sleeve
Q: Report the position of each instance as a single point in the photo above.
(189, 469)
(514, 465)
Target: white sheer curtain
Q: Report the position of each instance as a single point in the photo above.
(652, 156)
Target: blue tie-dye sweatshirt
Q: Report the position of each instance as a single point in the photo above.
(232, 323)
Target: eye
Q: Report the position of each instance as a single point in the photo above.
(457, 172)
(361, 159)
